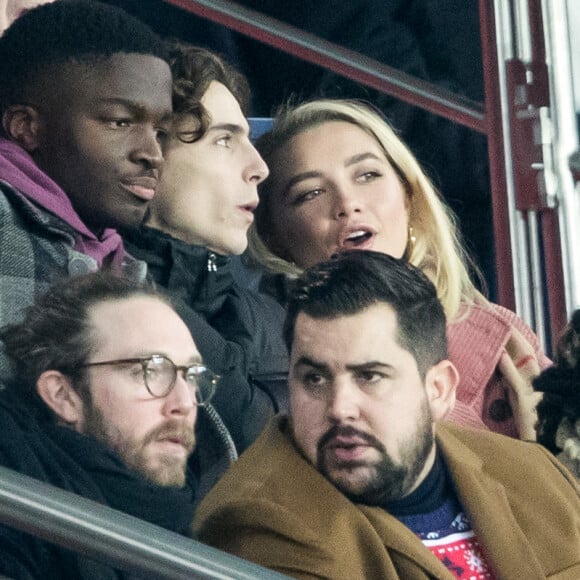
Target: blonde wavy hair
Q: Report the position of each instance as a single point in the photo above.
(436, 250)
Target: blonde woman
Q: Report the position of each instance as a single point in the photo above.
(341, 179)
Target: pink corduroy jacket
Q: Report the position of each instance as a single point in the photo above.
(475, 346)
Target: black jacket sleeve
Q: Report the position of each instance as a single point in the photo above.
(242, 403)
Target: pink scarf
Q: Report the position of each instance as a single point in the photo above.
(18, 169)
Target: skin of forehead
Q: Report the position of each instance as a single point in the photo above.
(120, 76)
(133, 318)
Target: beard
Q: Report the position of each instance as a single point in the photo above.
(167, 470)
(380, 481)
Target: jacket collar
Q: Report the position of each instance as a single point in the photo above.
(497, 530)
(203, 279)
(18, 169)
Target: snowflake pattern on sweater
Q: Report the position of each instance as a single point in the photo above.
(458, 549)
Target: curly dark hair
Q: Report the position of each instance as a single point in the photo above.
(56, 334)
(194, 69)
(560, 384)
(65, 30)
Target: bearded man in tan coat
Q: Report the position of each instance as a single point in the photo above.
(363, 480)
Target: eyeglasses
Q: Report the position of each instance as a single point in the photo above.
(160, 374)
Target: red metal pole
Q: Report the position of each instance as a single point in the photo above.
(554, 273)
(495, 146)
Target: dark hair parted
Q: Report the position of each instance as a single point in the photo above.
(56, 333)
(194, 69)
(68, 30)
(355, 280)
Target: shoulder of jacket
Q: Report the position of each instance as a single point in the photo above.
(273, 474)
(16, 207)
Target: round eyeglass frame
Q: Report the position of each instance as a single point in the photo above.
(203, 394)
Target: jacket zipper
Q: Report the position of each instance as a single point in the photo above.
(211, 262)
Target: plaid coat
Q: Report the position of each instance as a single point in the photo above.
(37, 249)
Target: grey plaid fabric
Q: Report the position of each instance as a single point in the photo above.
(34, 251)
(37, 249)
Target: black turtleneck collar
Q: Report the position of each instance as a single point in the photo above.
(430, 494)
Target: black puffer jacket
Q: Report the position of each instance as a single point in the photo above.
(237, 331)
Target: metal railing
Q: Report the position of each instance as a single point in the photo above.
(120, 540)
(336, 58)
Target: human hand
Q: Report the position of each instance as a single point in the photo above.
(519, 366)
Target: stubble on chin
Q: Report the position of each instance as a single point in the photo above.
(168, 470)
(374, 481)
(164, 470)
(360, 480)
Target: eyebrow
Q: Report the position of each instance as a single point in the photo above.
(232, 127)
(135, 107)
(195, 360)
(361, 157)
(300, 177)
(307, 361)
(373, 364)
(313, 174)
(192, 360)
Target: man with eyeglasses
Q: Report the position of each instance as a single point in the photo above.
(106, 404)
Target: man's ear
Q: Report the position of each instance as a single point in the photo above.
(441, 385)
(21, 123)
(56, 390)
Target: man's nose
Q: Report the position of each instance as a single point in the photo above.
(343, 402)
(147, 150)
(181, 399)
(256, 169)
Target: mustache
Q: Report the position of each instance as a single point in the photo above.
(348, 431)
(173, 430)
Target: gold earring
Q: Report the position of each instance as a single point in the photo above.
(411, 239)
